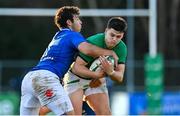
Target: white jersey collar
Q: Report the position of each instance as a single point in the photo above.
(65, 29)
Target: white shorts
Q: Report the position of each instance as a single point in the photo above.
(72, 83)
(40, 88)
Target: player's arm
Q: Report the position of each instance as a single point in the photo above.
(118, 73)
(115, 74)
(94, 51)
(80, 69)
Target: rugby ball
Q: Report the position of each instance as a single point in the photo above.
(95, 66)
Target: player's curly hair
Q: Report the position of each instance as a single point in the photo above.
(117, 23)
(65, 13)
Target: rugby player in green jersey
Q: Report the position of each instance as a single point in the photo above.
(81, 83)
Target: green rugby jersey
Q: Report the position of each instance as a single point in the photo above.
(99, 40)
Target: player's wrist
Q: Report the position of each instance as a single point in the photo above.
(111, 73)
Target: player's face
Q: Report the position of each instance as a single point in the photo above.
(112, 37)
(77, 24)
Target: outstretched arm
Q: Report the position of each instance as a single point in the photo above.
(94, 51)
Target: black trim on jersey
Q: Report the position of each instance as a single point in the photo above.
(121, 62)
(83, 58)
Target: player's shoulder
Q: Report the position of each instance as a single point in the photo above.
(121, 44)
(120, 48)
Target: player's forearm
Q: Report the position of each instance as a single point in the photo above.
(93, 50)
(83, 72)
(96, 51)
(116, 76)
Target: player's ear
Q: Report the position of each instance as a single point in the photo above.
(122, 35)
(69, 22)
(106, 30)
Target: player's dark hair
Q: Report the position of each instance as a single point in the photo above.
(117, 23)
(65, 13)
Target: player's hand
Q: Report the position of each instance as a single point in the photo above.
(100, 74)
(106, 65)
(95, 83)
(116, 58)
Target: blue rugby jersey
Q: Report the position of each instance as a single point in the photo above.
(60, 52)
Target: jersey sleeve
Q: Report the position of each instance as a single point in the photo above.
(77, 39)
(122, 53)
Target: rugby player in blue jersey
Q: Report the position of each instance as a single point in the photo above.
(41, 86)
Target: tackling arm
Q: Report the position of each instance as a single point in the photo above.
(94, 51)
